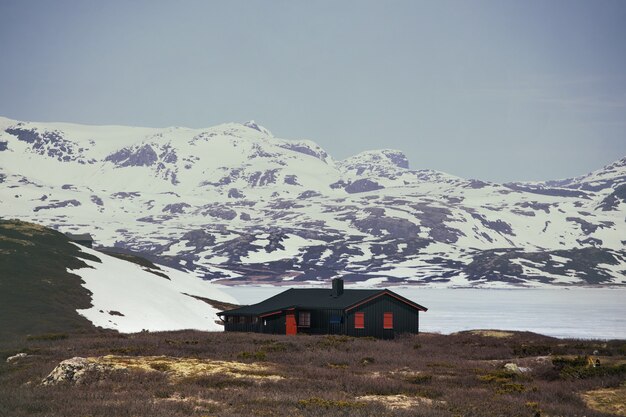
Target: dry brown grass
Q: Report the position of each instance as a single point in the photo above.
(179, 368)
(190, 373)
(29, 229)
(498, 334)
(399, 401)
(607, 400)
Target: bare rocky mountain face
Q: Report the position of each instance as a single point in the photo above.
(236, 205)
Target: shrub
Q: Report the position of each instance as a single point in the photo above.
(127, 350)
(336, 365)
(510, 388)
(502, 376)
(367, 360)
(334, 342)
(317, 402)
(49, 336)
(525, 350)
(420, 379)
(258, 355)
(162, 367)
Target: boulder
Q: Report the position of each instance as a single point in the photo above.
(75, 371)
(511, 367)
(17, 357)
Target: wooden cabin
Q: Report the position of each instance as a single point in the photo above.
(84, 239)
(379, 313)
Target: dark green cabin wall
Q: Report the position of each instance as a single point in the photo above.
(276, 324)
(405, 318)
(320, 322)
(241, 327)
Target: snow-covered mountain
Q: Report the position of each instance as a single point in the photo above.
(234, 204)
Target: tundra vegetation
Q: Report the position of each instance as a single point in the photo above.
(190, 373)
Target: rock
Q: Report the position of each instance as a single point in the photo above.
(75, 371)
(362, 186)
(14, 358)
(511, 367)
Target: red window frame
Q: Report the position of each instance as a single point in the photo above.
(359, 320)
(388, 320)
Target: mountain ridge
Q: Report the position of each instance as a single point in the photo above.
(234, 204)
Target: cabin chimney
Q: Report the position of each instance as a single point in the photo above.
(337, 287)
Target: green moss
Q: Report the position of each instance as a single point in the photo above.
(258, 355)
(510, 388)
(502, 381)
(500, 376)
(162, 367)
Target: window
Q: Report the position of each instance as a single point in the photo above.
(359, 320)
(304, 319)
(388, 321)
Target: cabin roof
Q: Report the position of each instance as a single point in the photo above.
(315, 298)
(79, 236)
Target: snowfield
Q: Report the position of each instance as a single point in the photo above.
(128, 298)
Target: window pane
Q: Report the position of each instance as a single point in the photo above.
(304, 319)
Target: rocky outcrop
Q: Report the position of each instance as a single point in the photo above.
(50, 143)
(134, 157)
(362, 186)
(58, 204)
(76, 370)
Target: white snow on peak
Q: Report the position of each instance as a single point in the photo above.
(389, 157)
(254, 125)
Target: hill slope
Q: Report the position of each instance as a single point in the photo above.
(37, 294)
(234, 204)
(48, 284)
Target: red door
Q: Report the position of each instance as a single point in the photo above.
(291, 324)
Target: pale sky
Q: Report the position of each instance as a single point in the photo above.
(495, 90)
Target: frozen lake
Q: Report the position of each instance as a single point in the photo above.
(585, 313)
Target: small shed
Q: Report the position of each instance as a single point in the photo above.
(84, 239)
(379, 313)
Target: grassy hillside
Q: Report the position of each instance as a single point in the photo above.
(187, 373)
(37, 293)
